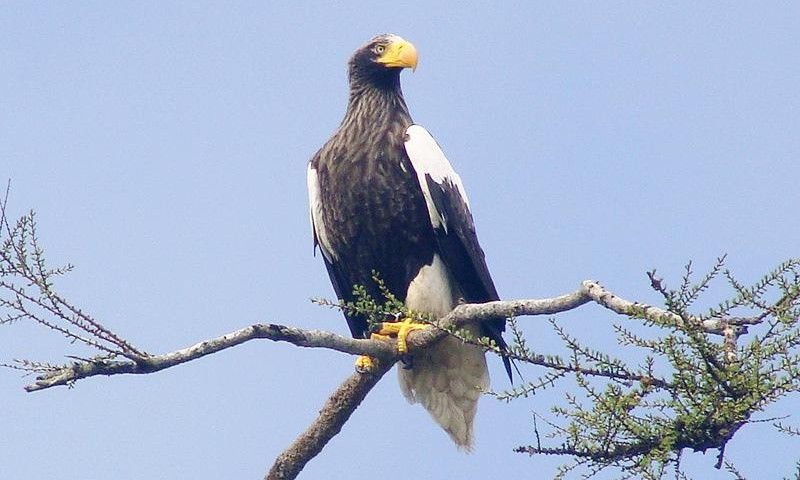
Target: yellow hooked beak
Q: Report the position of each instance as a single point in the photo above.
(399, 53)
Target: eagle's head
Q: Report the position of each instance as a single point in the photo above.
(380, 60)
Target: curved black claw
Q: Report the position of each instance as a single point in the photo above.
(407, 361)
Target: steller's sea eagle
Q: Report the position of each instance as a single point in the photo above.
(384, 198)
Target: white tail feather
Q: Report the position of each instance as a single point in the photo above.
(448, 379)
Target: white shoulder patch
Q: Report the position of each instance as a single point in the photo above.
(315, 215)
(429, 160)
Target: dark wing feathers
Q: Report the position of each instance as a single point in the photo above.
(458, 242)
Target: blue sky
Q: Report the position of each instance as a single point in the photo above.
(164, 147)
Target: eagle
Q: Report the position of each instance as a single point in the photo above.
(385, 201)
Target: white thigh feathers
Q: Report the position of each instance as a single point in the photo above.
(449, 377)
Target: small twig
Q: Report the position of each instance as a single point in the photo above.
(715, 326)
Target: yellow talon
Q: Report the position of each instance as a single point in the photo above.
(406, 327)
(365, 364)
(401, 329)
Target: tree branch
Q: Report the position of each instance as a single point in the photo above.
(462, 314)
(105, 365)
(142, 364)
(336, 411)
(717, 326)
(343, 402)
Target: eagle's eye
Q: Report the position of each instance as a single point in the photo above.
(378, 49)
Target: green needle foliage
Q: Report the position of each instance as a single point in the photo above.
(692, 391)
(375, 310)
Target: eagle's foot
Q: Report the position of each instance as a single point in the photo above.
(400, 329)
(387, 330)
(365, 364)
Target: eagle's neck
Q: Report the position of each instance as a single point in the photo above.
(376, 103)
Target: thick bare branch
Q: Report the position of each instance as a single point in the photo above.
(336, 411)
(104, 365)
(588, 292)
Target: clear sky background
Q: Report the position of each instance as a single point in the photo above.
(164, 147)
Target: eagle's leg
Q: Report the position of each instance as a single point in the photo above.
(400, 329)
